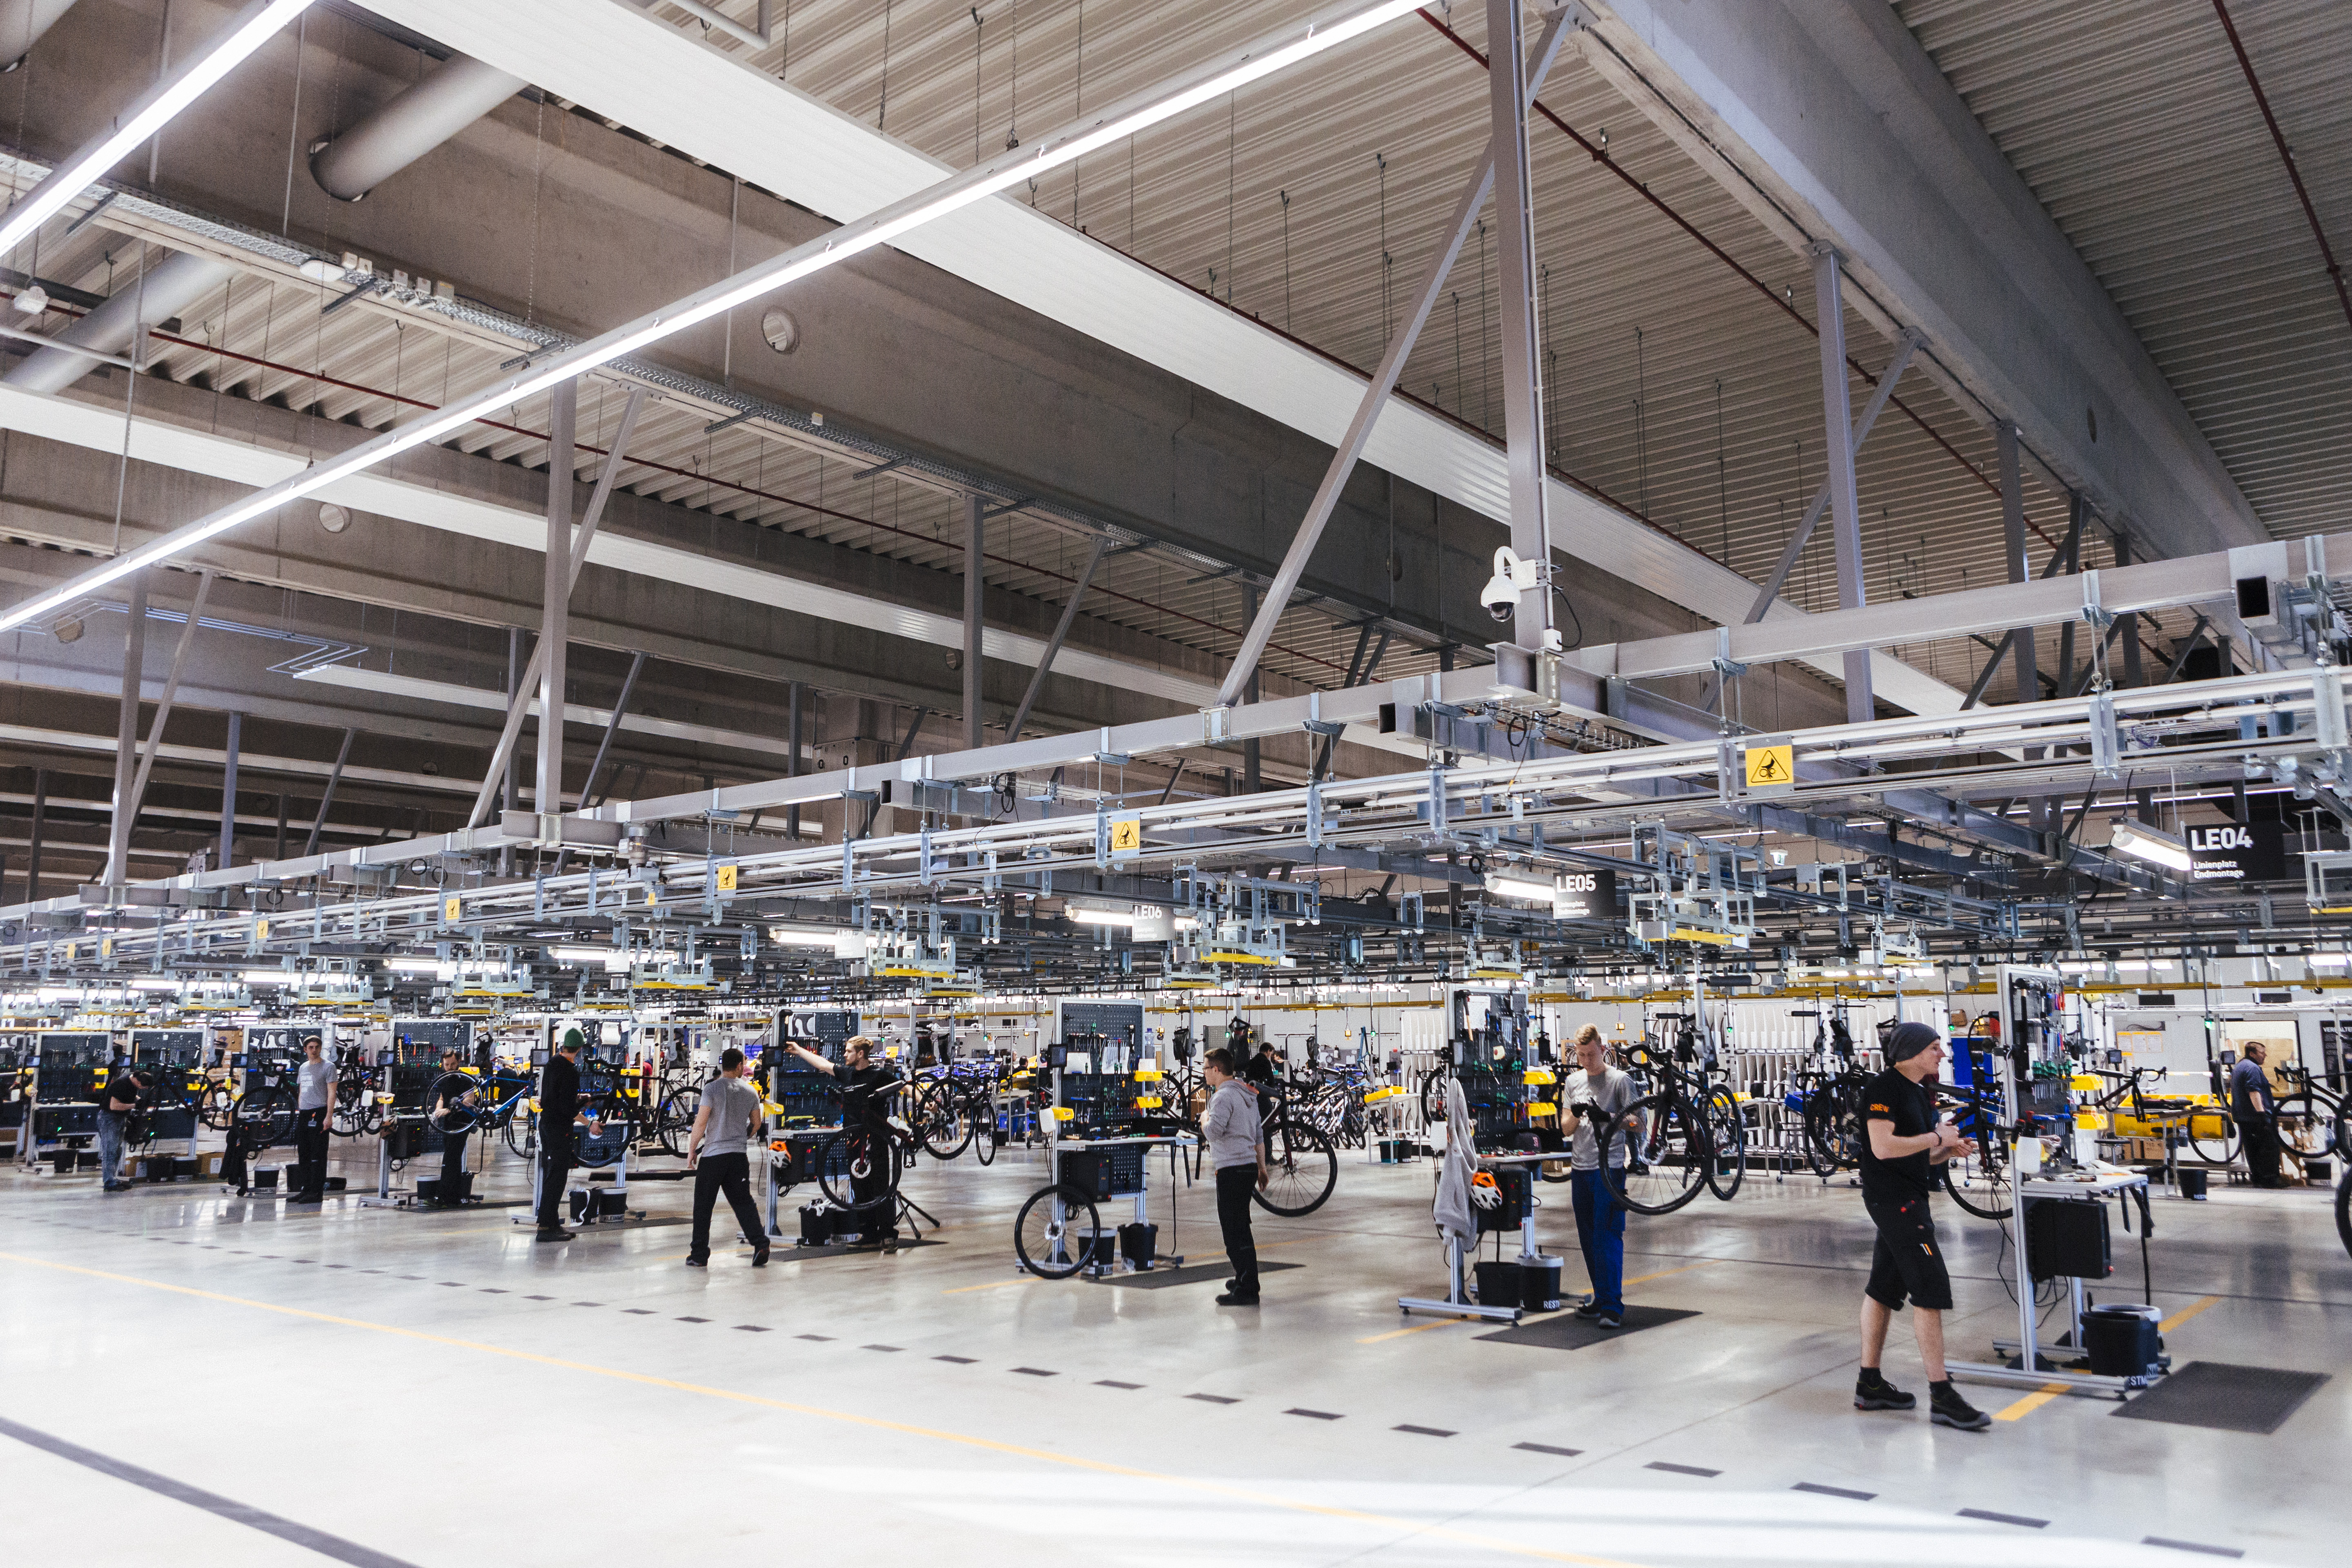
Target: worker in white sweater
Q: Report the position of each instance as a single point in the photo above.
(1237, 1152)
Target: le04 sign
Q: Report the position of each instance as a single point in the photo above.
(2238, 852)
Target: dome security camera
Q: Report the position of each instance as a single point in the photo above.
(1512, 578)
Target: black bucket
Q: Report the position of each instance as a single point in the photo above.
(2192, 1182)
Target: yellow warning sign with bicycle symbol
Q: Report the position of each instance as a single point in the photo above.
(1127, 835)
(1768, 766)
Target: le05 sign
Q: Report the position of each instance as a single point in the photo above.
(1585, 896)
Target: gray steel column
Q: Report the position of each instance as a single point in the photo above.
(126, 737)
(1506, 100)
(509, 790)
(2012, 541)
(228, 790)
(1252, 773)
(327, 796)
(1845, 498)
(974, 580)
(40, 811)
(1054, 645)
(792, 762)
(2078, 516)
(2127, 620)
(564, 410)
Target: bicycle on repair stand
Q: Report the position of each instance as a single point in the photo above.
(857, 1168)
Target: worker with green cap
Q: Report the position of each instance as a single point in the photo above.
(559, 1108)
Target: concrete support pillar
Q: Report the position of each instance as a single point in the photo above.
(126, 735)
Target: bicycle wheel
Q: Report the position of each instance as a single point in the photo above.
(857, 1171)
(1831, 1133)
(1053, 1230)
(216, 1109)
(1980, 1183)
(1433, 1096)
(1302, 1170)
(263, 1118)
(2306, 1129)
(981, 1114)
(449, 1113)
(2344, 1212)
(2214, 1134)
(608, 1140)
(1727, 1133)
(674, 1121)
(1665, 1154)
(943, 1120)
(518, 1127)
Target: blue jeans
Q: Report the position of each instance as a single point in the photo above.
(110, 1145)
(1601, 1232)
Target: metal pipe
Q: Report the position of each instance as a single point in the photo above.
(1061, 633)
(170, 692)
(554, 628)
(974, 583)
(40, 811)
(613, 728)
(327, 796)
(173, 286)
(1905, 347)
(1846, 500)
(410, 125)
(126, 735)
(1515, 276)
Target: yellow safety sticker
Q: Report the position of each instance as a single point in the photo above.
(727, 878)
(452, 907)
(1770, 766)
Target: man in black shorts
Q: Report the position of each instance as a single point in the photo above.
(1902, 1144)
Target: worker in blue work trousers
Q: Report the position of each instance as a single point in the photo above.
(1597, 1087)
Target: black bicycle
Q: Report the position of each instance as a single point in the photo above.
(857, 1168)
(1301, 1165)
(1665, 1140)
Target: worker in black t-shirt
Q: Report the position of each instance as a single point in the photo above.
(2254, 1108)
(1902, 1141)
(861, 1078)
(559, 1108)
(450, 1100)
(118, 1101)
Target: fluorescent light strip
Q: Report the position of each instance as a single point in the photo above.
(951, 195)
(247, 31)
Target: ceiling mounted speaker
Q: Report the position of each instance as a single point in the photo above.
(332, 518)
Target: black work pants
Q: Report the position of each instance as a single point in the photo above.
(452, 1164)
(311, 1153)
(2260, 1135)
(1234, 1185)
(731, 1174)
(554, 1174)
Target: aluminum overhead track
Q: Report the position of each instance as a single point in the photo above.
(671, 86)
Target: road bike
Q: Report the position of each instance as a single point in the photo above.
(1301, 1165)
(857, 1168)
(1660, 1152)
(458, 1104)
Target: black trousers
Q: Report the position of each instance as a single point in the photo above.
(1234, 1185)
(310, 1153)
(554, 1174)
(452, 1162)
(2260, 1135)
(731, 1174)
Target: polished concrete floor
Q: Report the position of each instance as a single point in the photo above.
(191, 1378)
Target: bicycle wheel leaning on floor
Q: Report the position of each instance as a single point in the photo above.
(1053, 1230)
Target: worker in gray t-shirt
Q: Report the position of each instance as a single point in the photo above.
(314, 1106)
(1600, 1217)
(718, 1153)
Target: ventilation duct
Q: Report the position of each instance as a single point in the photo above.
(177, 285)
(419, 120)
(22, 23)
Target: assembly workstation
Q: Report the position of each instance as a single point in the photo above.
(1609, 822)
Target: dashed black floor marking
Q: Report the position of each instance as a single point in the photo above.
(1036, 1372)
(1428, 1431)
(639, 1311)
(2017, 1519)
(1547, 1448)
(587, 1303)
(754, 1328)
(1816, 1487)
(539, 1298)
(891, 1349)
(2192, 1546)
(821, 1339)
(1213, 1399)
(1316, 1414)
(958, 1360)
(1680, 1469)
(1107, 1383)
(684, 1320)
(494, 1291)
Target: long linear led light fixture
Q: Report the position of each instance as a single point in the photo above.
(1130, 115)
(246, 31)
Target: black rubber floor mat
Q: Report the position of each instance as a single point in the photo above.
(1191, 1274)
(2225, 1399)
(1566, 1332)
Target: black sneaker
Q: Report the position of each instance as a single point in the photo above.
(1587, 1310)
(556, 1234)
(1873, 1392)
(759, 1258)
(698, 1263)
(1608, 1320)
(1947, 1408)
(1231, 1299)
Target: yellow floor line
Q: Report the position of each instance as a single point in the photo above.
(2185, 1314)
(1660, 1274)
(960, 1439)
(1416, 1329)
(2030, 1402)
(993, 1284)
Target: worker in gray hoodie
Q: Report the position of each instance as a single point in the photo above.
(1237, 1152)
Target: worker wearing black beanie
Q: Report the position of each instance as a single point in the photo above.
(1901, 1144)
